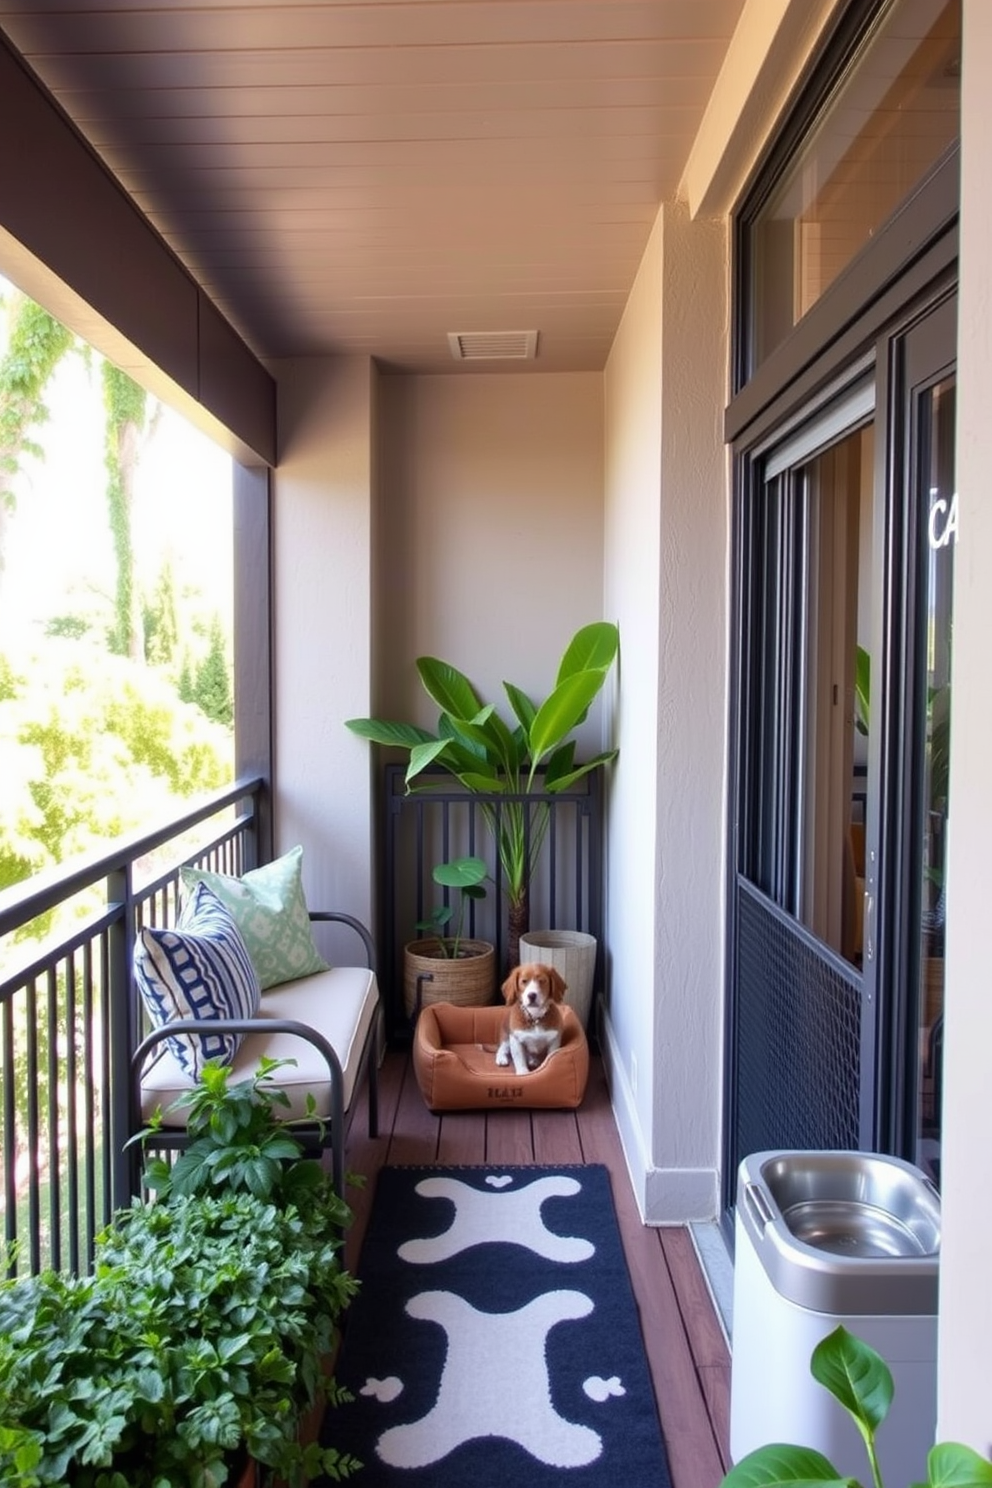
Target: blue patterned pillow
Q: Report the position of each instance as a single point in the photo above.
(201, 969)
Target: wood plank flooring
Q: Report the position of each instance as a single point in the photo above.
(685, 1346)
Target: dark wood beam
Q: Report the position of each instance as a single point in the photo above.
(114, 279)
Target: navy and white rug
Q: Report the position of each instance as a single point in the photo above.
(495, 1337)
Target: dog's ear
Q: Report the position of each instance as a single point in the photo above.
(511, 987)
(558, 985)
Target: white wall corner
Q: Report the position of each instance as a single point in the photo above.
(677, 1196)
(665, 1196)
(625, 1111)
(322, 563)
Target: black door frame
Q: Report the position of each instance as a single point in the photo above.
(908, 269)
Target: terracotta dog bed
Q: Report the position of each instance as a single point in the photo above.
(455, 1062)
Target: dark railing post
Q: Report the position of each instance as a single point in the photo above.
(69, 1019)
(122, 1032)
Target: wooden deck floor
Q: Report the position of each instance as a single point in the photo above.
(686, 1350)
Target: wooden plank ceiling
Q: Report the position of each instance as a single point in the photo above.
(367, 177)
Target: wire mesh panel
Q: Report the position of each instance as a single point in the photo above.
(798, 1036)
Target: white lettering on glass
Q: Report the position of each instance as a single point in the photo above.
(943, 524)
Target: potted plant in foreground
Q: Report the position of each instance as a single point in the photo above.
(201, 1339)
(862, 1382)
(522, 762)
(444, 967)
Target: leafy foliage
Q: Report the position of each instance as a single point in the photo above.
(204, 1330)
(126, 405)
(211, 690)
(861, 1381)
(240, 1140)
(465, 876)
(161, 619)
(91, 746)
(492, 757)
(36, 344)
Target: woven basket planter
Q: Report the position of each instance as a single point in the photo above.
(468, 981)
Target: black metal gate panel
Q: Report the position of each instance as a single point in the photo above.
(797, 1050)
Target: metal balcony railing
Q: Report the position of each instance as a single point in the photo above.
(444, 821)
(69, 1022)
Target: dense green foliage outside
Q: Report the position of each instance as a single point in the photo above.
(118, 702)
(93, 746)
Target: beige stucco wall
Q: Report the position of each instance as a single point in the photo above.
(632, 572)
(666, 580)
(965, 1330)
(490, 544)
(323, 499)
(453, 516)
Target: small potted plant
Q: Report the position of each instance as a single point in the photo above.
(444, 967)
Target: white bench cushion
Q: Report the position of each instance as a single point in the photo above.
(340, 1003)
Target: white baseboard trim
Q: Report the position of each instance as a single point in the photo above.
(664, 1195)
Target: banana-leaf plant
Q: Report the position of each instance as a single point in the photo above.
(522, 761)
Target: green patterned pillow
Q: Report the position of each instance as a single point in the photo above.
(269, 908)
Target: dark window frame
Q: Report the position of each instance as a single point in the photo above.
(815, 91)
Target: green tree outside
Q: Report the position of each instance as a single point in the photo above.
(35, 345)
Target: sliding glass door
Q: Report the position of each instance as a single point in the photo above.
(844, 539)
(907, 916)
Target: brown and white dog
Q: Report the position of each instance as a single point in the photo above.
(533, 1029)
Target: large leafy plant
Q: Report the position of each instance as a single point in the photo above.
(521, 760)
(862, 1382)
(202, 1336)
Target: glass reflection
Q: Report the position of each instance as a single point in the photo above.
(891, 121)
(940, 512)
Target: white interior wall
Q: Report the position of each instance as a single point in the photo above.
(666, 578)
(322, 520)
(965, 1326)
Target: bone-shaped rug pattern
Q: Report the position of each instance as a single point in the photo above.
(465, 1408)
(495, 1340)
(512, 1216)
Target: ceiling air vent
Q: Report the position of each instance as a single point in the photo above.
(480, 346)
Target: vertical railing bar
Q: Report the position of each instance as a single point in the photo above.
(580, 860)
(596, 856)
(582, 886)
(498, 936)
(72, 1122)
(420, 859)
(445, 848)
(89, 1106)
(553, 866)
(390, 952)
(470, 838)
(54, 1166)
(120, 941)
(34, 1176)
(9, 1135)
(105, 1081)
